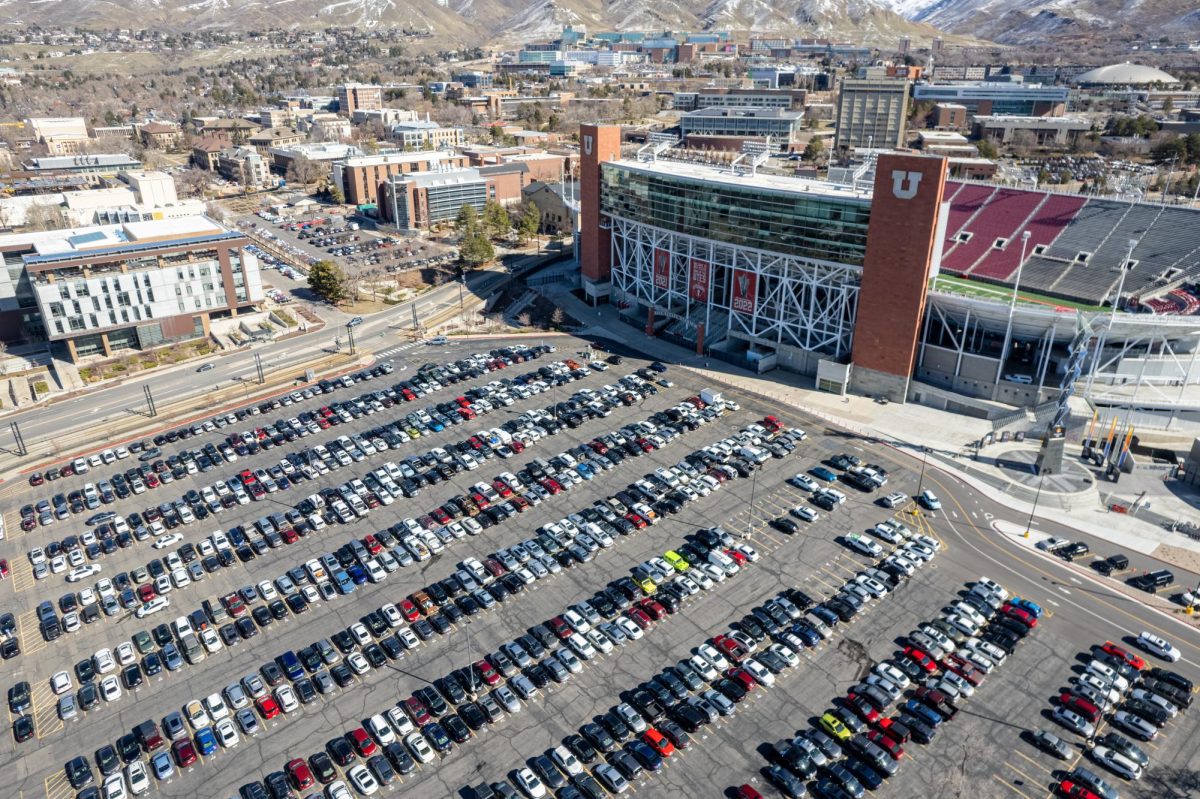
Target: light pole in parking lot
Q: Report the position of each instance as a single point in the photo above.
(350, 337)
(1037, 495)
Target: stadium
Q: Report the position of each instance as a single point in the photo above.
(894, 281)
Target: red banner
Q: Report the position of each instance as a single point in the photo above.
(745, 291)
(662, 269)
(698, 279)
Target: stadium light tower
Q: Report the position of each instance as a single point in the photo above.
(1012, 307)
(1121, 285)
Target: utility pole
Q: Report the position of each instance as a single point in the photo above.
(258, 365)
(350, 338)
(18, 439)
(153, 411)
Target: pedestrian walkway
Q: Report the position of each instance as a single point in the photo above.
(944, 438)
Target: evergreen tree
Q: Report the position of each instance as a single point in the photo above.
(529, 222)
(496, 220)
(327, 281)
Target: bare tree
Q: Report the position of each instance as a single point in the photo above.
(303, 171)
(192, 182)
(45, 217)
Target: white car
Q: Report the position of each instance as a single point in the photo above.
(226, 733)
(164, 541)
(216, 707)
(110, 689)
(266, 589)
(125, 653)
(1116, 762)
(103, 661)
(627, 626)
(380, 730)
(1158, 646)
(362, 780)
(286, 698)
(114, 787)
(581, 647)
(709, 653)
(60, 683)
(860, 543)
(392, 614)
(804, 481)
(153, 606)
(420, 748)
(358, 663)
(137, 777)
(759, 672)
(566, 761)
(83, 572)
(196, 715)
(929, 500)
(529, 783)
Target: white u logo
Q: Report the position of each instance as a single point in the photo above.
(905, 184)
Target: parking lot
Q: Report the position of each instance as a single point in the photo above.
(979, 752)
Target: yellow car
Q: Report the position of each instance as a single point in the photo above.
(834, 726)
(646, 584)
(676, 560)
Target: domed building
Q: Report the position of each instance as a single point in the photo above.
(1126, 74)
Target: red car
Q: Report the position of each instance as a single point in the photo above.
(299, 773)
(408, 610)
(1080, 706)
(742, 678)
(921, 658)
(730, 648)
(146, 592)
(1073, 790)
(268, 707)
(894, 730)
(441, 515)
(1130, 658)
(417, 711)
(887, 743)
(636, 520)
(502, 488)
(864, 709)
(3, 568)
(487, 672)
(653, 608)
(363, 743)
(552, 485)
(520, 503)
(372, 544)
(659, 741)
(964, 668)
(36, 479)
(747, 792)
(289, 535)
(639, 617)
(1021, 615)
(517, 446)
(234, 605)
(559, 626)
(184, 751)
(738, 557)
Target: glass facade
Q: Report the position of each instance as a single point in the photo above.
(794, 223)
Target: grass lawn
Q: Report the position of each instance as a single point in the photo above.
(972, 288)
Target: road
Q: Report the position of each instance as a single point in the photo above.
(378, 332)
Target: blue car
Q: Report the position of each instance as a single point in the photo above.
(344, 584)
(206, 742)
(585, 471)
(924, 713)
(823, 473)
(171, 657)
(358, 574)
(1026, 605)
(161, 765)
(807, 634)
(437, 737)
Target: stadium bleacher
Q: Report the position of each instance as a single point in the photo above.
(1077, 245)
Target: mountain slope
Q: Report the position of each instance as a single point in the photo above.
(1034, 21)
(481, 21)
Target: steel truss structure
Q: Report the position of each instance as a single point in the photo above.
(797, 302)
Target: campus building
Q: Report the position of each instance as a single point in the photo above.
(362, 177)
(898, 283)
(96, 290)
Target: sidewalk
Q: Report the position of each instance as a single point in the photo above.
(909, 428)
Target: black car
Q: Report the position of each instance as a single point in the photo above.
(23, 728)
(79, 772)
(598, 737)
(340, 751)
(107, 760)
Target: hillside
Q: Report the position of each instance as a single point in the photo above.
(483, 21)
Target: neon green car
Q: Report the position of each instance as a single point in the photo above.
(834, 726)
(676, 560)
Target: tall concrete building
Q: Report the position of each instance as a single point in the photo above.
(359, 97)
(871, 113)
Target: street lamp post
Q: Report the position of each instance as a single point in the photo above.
(1036, 497)
(350, 337)
(1012, 307)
